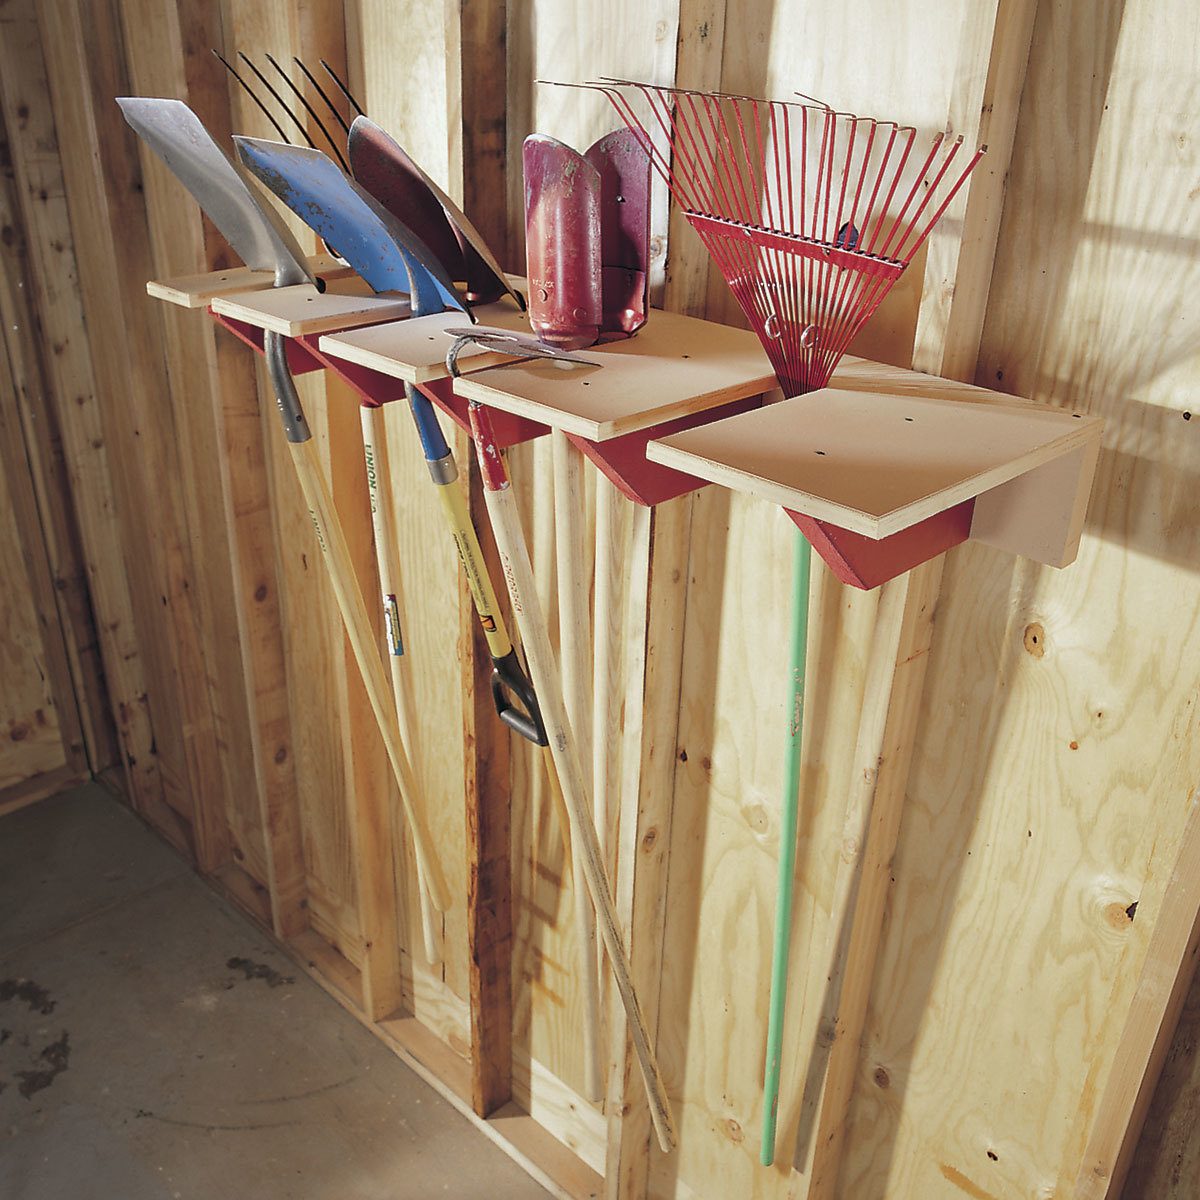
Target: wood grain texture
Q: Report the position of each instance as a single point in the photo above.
(42, 208)
(876, 464)
(300, 309)
(575, 658)
(214, 401)
(198, 289)
(327, 751)
(415, 350)
(131, 380)
(40, 489)
(31, 733)
(1050, 789)
(675, 366)
(1074, 724)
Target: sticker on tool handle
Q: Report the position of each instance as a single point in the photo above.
(372, 477)
(320, 532)
(391, 618)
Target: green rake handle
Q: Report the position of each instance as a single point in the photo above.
(801, 564)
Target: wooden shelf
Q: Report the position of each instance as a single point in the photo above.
(301, 309)
(875, 463)
(415, 350)
(199, 291)
(675, 367)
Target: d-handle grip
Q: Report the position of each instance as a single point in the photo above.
(508, 677)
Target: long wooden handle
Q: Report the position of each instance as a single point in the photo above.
(895, 678)
(573, 642)
(608, 633)
(543, 667)
(357, 623)
(373, 436)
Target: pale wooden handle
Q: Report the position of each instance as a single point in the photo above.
(357, 623)
(374, 434)
(608, 633)
(573, 639)
(895, 677)
(514, 555)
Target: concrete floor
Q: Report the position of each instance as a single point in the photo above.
(154, 1044)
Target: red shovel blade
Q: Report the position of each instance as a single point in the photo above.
(562, 243)
(386, 171)
(624, 168)
(485, 277)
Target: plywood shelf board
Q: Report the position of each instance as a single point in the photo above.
(198, 291)
(301, 309)
(674, 367)
(415, 350)
(874, 464)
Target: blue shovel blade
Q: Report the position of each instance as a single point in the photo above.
(390, 257)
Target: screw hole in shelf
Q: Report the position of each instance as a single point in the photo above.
(820, 452)
(908, 418)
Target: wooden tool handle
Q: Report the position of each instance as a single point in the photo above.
(357, 623)
(573, 640)
(376, 463)
(514, 555)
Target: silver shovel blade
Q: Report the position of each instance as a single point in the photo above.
(387, 254)
(255, 232)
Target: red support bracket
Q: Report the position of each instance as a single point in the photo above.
(509, 429)
(623, 459)
(865, 563)
(300, 360)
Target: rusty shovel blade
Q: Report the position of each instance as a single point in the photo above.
(377, 158)
(381, 166)
(624, 168)
(562, 243)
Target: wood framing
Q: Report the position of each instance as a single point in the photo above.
(1019, 826)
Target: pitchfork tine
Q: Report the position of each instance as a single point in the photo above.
(343, 88)
(308, 108)
(253, 96)
(321, 92)
(279, 100)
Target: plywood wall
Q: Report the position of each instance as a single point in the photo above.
(1056, 755)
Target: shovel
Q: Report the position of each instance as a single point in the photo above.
(176, 134)
(382, 166)
(386, 254)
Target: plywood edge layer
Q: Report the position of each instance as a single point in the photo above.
(301, 309)
(473, 387)
(1075, 431)
(199, 290)
(415, 350)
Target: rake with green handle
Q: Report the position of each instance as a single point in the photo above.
(811, 215)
